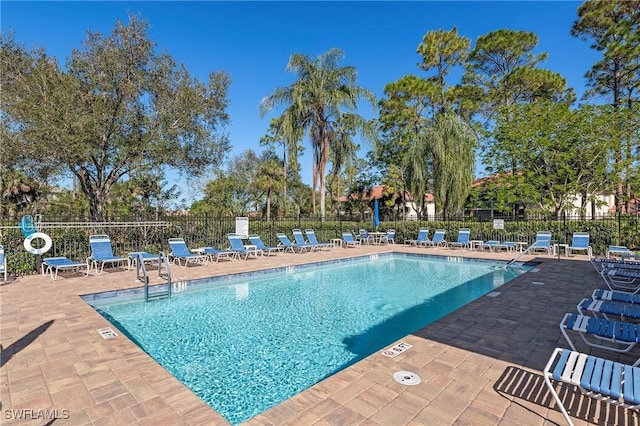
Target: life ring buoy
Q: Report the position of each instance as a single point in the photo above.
(42, 250)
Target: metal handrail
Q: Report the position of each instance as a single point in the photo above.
(163, 272)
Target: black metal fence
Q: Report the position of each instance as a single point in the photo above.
(70, 237)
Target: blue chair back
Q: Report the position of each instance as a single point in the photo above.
(423, 235)
(438, 236)
(297, 234)
(311, 236)
(391, 234)
(284, 240)
(257, 241)
(580, 240)
(236, 242)
(179, 247)
(100, 247)
(348, 237)
(543, 239)
(463, 235)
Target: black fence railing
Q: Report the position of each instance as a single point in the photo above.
(71, 237)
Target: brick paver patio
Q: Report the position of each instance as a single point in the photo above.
(480, 365)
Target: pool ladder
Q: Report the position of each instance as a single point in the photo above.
(163, 272)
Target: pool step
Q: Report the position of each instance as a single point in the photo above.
(158, 295)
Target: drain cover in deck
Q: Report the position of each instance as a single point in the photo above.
(107, 333)
(407, 378)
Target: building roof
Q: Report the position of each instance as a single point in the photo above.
(377, 192)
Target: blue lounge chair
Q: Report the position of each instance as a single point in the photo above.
(616, 296)
(542, 243)
(313, 240)
(286, 243)
(364, 237)
(619, 250)
(146, 257)
(216, 254)
(438, 239)
(622, 278)
(600, 263)
(490, 245)
(349, 240)
(598, 378)
(580, 242)
(507, 246)
(301, 242)
(606, 307)
(181, 253)
(621, 336)
(421, 239)
(257, 241)
(102, 254)
(462, 241)
(52, 265)
(242, 252)
(3, 264)
(389, 237)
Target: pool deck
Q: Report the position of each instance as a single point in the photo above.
(480, 365)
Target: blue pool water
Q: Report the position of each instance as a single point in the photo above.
(246, 345)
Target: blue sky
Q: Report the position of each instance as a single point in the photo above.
(252, 41)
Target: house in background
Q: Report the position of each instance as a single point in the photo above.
(484, 208)
(605, 205)
(405, 206)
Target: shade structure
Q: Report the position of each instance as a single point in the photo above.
(376, 213)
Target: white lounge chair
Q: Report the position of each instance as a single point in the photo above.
(618, 250)
(599, 264)
(298, 236)
(606, 308)
(616, 296)
(389, 237)
(542, 243)
(146, 257)
(580, 242)
(423, 237)
(242, 252)
(217, 254)
(349, 240)
(490, 245)
(597, 378)
(286, 243)
(52, 265)
(313, 240)
(102, 254)
(462, 241)
(183, 256)
(268, 250)
(437, 240)
(621, 336)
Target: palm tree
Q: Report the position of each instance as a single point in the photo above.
(322, 94)
(268, 179)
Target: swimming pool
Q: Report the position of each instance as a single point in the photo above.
(244, 345)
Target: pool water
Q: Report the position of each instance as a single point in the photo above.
(248, 345)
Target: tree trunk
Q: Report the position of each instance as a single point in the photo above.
(268, 204)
